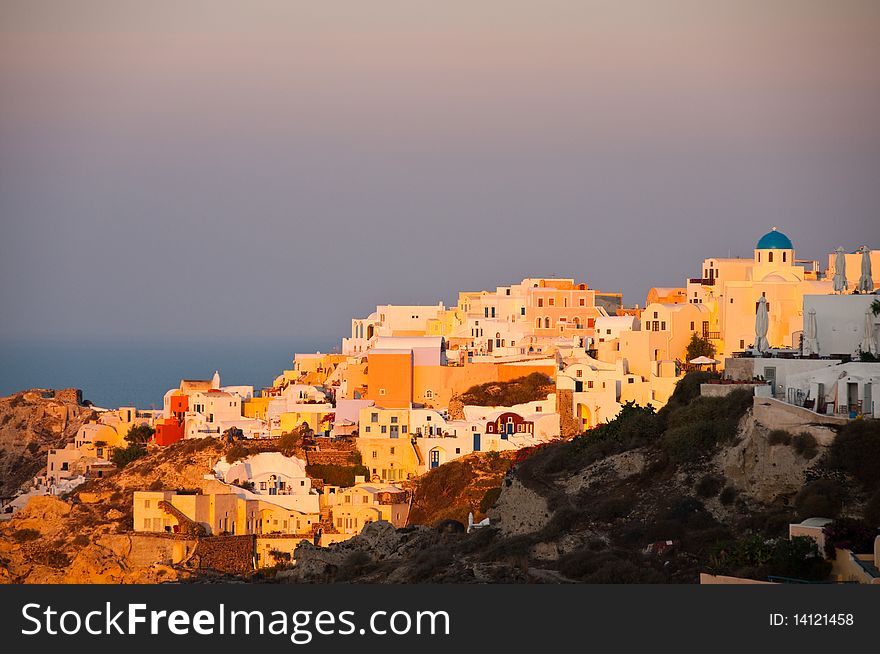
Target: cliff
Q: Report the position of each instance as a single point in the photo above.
(88, 538)
(31, 423)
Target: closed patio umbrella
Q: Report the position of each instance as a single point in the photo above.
(866, 282)
(839, 281)
(762, 324)
(811, 341)
(869, 343)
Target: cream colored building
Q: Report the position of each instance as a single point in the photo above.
(216, 513)
(731, 288)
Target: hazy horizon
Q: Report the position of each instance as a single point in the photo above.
(271, 169)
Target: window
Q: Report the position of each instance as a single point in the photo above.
(367, 429)
(551, 302)
(589, 384)
(384, 429)
(783, 256)
(770, 257)
(458, 450)
(146, 504)
(579, 373)
(507, 291)
(429, 394)
(381, 391)
(393, 420)
(375, 455)
(391, 451)
(692, 325)
(655, 313)
(630, 380)
(522, 311)
(374, 417)
(742, 344)
(582, 302)
(731, 300)
(403, 428)
(663, 326)
(540, 302)
(538, 409)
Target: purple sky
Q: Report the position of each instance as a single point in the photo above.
(273, 168)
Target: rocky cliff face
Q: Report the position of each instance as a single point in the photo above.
(31, 423)
(88, 537)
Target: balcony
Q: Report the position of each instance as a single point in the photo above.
(704, 281)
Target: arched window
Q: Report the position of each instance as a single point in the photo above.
(546, 323)
(770, 257)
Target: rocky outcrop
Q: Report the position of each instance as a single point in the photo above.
(763, 471)
(519, 510)
(31, 423)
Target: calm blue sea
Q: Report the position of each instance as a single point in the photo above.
(119, 373)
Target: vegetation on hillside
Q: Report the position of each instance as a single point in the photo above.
(469, 484)
(699, 346)
(137, 438)
(530, 388)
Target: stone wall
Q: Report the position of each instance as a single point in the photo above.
(775, 414)
(720, 390)
(569, 425)
(230, 554)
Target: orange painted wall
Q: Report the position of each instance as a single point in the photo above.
(179, 404)
(392, 372)
(168, 431)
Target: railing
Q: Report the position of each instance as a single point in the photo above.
(705, 281)
(712, 336)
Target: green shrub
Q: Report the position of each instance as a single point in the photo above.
(290, 442)
(25, 535)
(237, 452)
(758, 557)
(688, 387)
(849, 534)
(336, 475)
(489, 499)
(533, 387)
(139, 434)
(856, 450)
(779, 437)
(872, 510)
(727, 496)
(122, 456)
(709, 486)
(805, 444)
(822, 498)
(695, 429)
(699, 346)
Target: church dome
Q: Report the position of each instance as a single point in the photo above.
(774, 240)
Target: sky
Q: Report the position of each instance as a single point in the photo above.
(272, 168)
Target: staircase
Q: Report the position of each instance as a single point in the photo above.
(188, 527)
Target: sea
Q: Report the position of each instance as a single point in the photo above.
(120, 372)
